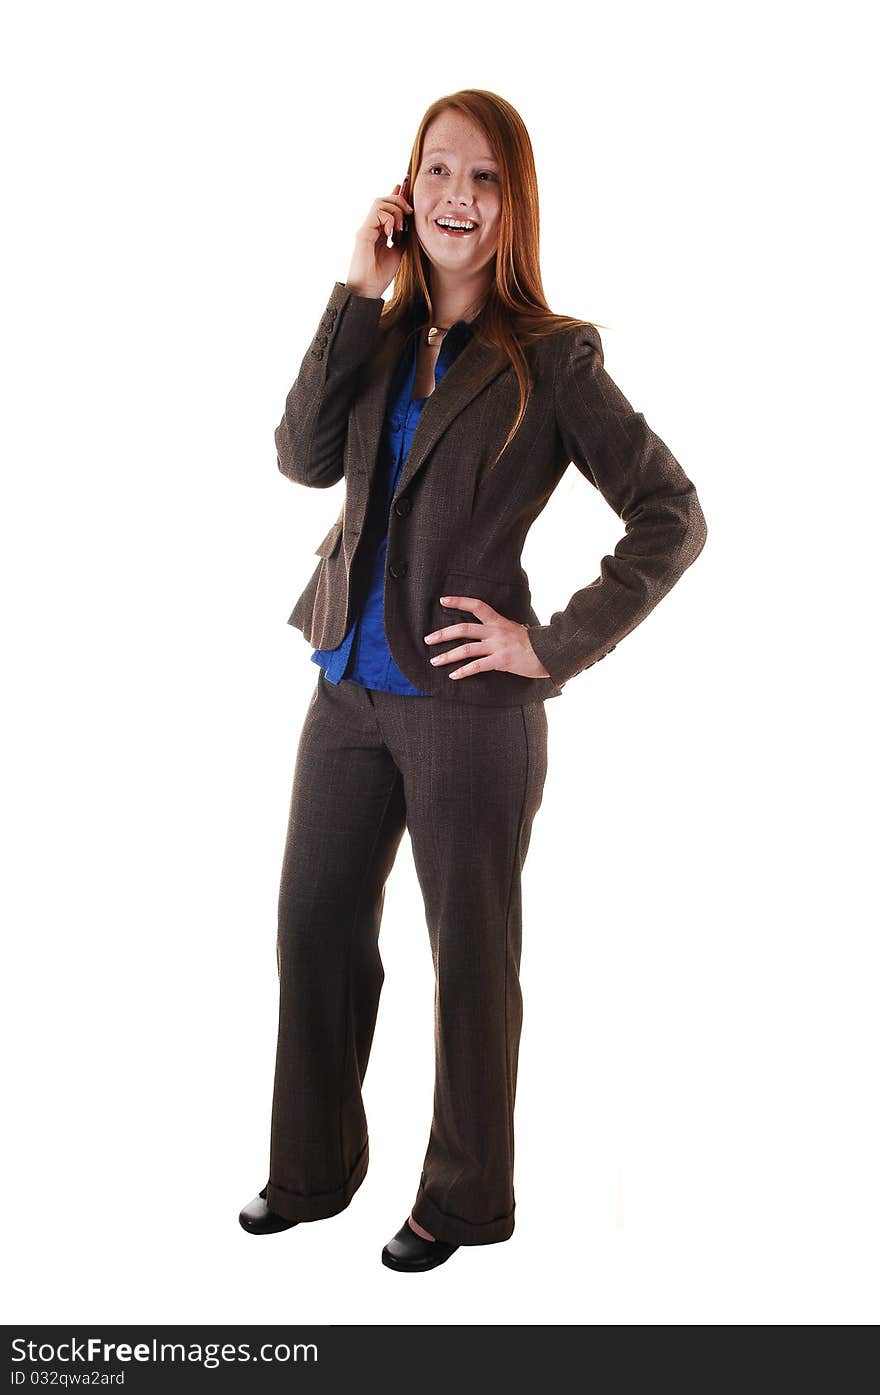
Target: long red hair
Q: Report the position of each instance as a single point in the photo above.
(516, 313)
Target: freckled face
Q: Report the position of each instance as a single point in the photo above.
(457, 178)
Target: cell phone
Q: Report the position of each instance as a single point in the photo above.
(397, 237)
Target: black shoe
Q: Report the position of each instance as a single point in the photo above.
(408, 1251)
(259, 1220)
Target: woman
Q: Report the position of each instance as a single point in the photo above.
(452, 412)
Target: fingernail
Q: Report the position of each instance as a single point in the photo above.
(444, 600)
(428, 638)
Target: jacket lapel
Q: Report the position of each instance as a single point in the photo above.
(473, 368)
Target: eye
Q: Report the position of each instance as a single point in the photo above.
(490, 173)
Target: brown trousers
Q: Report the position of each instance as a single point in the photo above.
(466, 781)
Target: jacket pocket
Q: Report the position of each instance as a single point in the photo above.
(511, 598)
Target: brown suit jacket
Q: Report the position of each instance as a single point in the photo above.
(456, 528)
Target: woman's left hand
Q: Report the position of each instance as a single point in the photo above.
(493, 643)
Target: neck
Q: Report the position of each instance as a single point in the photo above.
(457, 298)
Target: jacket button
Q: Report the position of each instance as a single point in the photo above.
(398, 569)
(319, 353)
(403, 506)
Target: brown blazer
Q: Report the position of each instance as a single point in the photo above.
(456, 528)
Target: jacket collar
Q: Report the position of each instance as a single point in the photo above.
(471, 370)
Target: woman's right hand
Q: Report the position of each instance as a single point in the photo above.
(374, 264)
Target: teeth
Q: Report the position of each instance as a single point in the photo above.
(452, 223)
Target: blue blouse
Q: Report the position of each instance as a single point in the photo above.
(364, 656)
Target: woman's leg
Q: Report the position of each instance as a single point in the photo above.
(473, 781)
(347, 817)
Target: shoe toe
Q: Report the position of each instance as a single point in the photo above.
(410, 1252)
(257, 1218)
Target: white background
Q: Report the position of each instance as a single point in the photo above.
(696, 1116)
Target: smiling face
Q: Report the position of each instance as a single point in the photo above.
(458, 179)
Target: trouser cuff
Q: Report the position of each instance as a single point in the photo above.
(316, 1206)
(456, 1231)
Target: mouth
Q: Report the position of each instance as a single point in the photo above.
(465, 231)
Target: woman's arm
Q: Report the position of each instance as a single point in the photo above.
(616, 450)
(310, 438)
